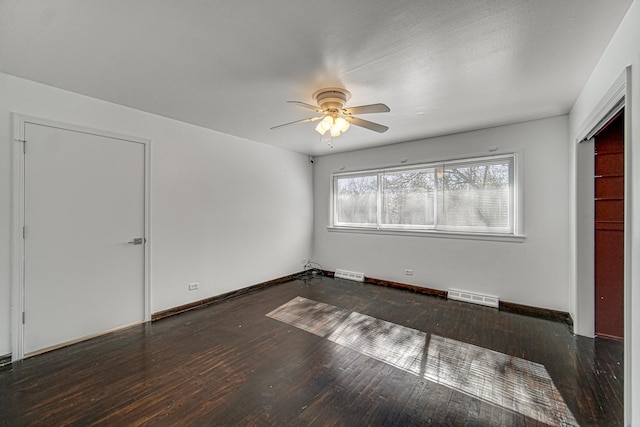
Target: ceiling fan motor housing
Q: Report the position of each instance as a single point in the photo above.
(331, 98)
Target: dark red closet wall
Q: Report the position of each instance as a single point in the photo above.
(609, 229)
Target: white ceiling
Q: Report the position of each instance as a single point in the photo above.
(441, 66)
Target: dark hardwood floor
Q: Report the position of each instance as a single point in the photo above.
(230, 364)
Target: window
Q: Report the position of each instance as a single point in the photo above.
(357, 200)
(469, 196)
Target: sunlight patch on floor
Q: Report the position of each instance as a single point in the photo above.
(507, 381)
(315, 317)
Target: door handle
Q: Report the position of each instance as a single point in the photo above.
(137, 241)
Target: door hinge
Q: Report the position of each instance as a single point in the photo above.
(23, 317)
(24, 145)
(24, 232)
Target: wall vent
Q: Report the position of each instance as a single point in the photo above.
(349, 275)
(465, 296)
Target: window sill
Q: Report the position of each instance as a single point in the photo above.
(430, 233)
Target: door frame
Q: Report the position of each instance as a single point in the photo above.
(616, 98)
(20, 122)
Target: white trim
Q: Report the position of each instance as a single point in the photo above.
(17, 219)
(23, 119)
(428, 164)
(582, 241)
(431, 233)
(614, 99)
(628, 243)
(516, 202)
(17, 244)
(147, 230)
(606, 108)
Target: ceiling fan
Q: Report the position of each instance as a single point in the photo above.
(334, 118)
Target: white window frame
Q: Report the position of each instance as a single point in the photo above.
(516, 210)
(334, 191)
(405, 226)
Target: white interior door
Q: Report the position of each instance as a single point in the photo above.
(84, 200)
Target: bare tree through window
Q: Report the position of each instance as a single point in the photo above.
(408, 197)
(356, 200)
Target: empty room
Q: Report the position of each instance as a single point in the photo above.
(320, 213)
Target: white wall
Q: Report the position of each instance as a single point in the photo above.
(623, 50)
(534, 272)
(584, 323)
(226, 212)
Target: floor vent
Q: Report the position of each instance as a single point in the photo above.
(465, 296)
(349, 275)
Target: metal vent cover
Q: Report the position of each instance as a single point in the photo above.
(349, 275)
(475, 298)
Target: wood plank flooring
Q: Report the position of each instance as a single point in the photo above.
(230, 364)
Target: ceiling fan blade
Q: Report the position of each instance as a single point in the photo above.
(365, 109)
(310, 119)
(305, 105)
(367, 124)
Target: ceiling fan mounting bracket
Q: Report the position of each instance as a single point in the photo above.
(331, 98)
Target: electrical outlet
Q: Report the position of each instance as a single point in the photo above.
(303, 261)
(408, 272)
(193, 286)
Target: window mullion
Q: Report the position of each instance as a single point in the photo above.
(512, 197)
(334, 202)
(439, 196)
(379, 204)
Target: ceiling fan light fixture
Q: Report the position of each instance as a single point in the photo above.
(327, 122)
(321, 130)
(334, 119)
(331, 98)
(342, 124)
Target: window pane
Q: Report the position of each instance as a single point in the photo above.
(408, 198)
(477, 196)
(356, 199)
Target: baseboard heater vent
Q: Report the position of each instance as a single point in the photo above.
(349, 275)
(465, 296)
